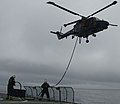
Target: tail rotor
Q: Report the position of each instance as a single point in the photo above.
(61, 29)
(58, 33)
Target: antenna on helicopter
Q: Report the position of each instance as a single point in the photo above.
(113, 25)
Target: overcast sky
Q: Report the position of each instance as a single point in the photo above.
(28, 50)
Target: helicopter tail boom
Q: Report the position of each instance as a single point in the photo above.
(59, 34)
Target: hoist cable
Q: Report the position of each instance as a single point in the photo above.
(68, 63)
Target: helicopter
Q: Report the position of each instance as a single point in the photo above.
(85, 26)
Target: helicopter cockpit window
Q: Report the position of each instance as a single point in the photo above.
(97, 19)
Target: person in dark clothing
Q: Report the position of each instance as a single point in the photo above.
(45, 86)
(10, 88)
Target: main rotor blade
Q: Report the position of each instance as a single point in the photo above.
(113, 3)
(71, 23)
(52, 3)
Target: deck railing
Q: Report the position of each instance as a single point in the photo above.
(62, 94)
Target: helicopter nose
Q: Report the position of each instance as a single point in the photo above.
(106, 24)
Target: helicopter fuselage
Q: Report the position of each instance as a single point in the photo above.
(84, 28)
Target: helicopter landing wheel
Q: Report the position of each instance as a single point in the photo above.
(87, 41)
(94, 35)
(73, 37)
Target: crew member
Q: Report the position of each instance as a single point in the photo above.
(45, 86)
(10, 87)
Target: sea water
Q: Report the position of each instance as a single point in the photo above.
(97, 96)
(98, 93)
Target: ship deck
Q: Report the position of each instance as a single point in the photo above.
(32, 102)
(19, 101)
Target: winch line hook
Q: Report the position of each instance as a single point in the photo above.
(68, 63)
